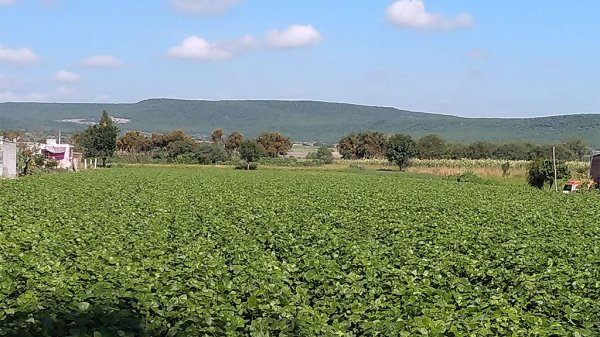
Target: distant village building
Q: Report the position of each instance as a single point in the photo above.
(62, 153)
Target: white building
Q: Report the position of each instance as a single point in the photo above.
(62, 153)
(8, 159)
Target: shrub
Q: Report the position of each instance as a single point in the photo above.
(207, 154)
(325, 154)
(186, 158)
(51, 164)
(505, 169)
(242, 165)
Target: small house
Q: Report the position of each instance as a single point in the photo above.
(62, 153)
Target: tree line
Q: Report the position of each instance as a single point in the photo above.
(372, 145)
(101, 141)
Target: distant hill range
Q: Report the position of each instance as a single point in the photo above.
(301, 120)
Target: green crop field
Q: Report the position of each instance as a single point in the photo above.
(216, 252)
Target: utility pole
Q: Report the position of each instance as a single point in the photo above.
(554, 164)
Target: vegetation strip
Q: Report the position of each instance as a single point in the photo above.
(200, 251)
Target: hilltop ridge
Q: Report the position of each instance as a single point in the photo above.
(301, 120)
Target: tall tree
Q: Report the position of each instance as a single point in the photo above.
(431, 147)
(400, 149)
(578, 147)
(211, 154)
(100, 140)
(275, 144)
(480, 150)
(233, 141)
(347, 146)
(216, 136)
(133, 142)
(250, 152)
(371, 145)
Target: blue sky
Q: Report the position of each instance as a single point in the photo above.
(462, 57)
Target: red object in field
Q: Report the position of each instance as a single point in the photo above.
(574, 185)
(55, 152)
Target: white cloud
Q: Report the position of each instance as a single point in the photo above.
(203, 6)
(412, 14)
(102, 61)
(196, 47)
(294, 36)
(20, 55)
(64, 76)
(6, 2)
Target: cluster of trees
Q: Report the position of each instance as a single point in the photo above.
(398, 148)
(369, 145)
(177, 146)
(101, 141)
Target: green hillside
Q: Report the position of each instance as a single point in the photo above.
(302, 120)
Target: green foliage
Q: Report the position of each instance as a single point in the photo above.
(99, 140)
(210, 252)
(325, 154)
(185, 158)
(311, 155)
(290, 162)
(541, 172)
(250, 152)
(470, 177)
(242, 165)
(26, 160)
(210, 154)
(431, 147)
(400, 149)
(51, 164)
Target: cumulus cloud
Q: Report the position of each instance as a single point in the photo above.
(196, 47)
(64, 76)
(294, 36)
(19, 55)
(203, 6)
(412, 14)
(102, 61)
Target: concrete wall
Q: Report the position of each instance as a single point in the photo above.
(9, 160)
